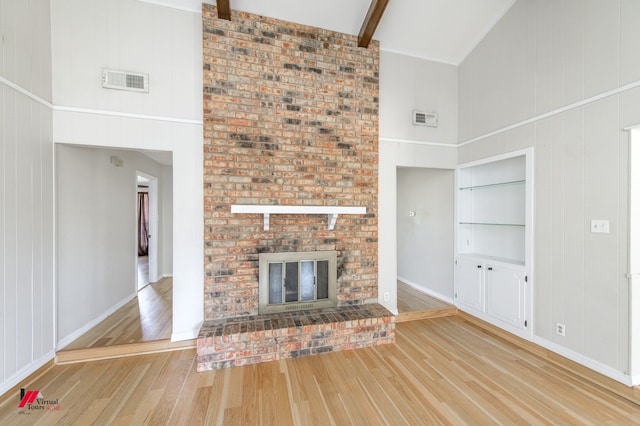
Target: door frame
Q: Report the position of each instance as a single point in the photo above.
(153, 227)
(633, 272)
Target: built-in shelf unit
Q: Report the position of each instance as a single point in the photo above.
(494, 240)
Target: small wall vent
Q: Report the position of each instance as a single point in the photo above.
(122, 80)
(421, 118)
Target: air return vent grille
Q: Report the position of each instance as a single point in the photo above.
(429, 119)
(136, 82)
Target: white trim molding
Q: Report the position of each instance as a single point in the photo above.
(565, 108)
(426, 291)
(413, 55)
(594, 365)
(194, 6)
(76, 334)
(186, 335)
(127, 115)
(25, 92)
(633, 247)
(53, 107)
(25, 372)
(407, 141)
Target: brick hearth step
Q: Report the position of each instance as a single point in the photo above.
(253, 339)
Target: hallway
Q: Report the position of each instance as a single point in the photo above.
(146, 318)
(415, 305)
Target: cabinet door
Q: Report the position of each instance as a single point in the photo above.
(469, 283)
(506, 294)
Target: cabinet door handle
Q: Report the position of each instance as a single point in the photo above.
(490, 268)
(479, 266)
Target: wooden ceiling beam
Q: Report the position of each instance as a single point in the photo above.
(224, 10)
(374, 15)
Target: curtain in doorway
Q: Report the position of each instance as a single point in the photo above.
(143, 224)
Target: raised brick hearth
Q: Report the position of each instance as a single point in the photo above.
(248, 340)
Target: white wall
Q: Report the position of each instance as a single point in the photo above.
(403, 88)
(543, 56)
(26, 191)
(425, 241)
(407, 84)
(89, 35)
(96, 228)
(128, 35)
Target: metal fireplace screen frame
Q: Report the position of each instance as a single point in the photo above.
(295, 281)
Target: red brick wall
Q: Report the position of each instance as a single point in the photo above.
(291, 118)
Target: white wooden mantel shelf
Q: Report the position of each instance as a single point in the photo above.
(267, 210)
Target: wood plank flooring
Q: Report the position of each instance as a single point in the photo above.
(146, 318)
(414, 305)
(143, 271)
(440, 371)
(410, 300)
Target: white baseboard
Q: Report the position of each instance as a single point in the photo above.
(635, 380)
(25, 372)
(76, 334)
(426, 291)
(186, 335)
(594, 365)
(167, 275)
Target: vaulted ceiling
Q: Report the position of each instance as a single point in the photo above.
(440, 30)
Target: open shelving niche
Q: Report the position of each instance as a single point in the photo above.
(494, 208)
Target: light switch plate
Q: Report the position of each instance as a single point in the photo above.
(600, 226)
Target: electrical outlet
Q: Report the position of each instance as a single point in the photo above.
(385, 296)
(560, 329)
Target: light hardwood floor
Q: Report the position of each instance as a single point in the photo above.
(146, 318)
(143, 271)
(410, 299)
(414, 305)
(440, 371)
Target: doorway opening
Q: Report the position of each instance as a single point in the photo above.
(425, 237)
(146, 228)
(102, 297)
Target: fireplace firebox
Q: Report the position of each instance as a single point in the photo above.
(294, 281)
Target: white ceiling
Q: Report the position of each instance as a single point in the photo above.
(440, 30)
(163, 157)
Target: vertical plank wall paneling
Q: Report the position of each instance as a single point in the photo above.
(572, 50)
(26, 192)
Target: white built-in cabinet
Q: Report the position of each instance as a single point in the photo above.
(494, 204)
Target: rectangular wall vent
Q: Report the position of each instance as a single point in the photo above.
(122, 80)
(421, 118)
